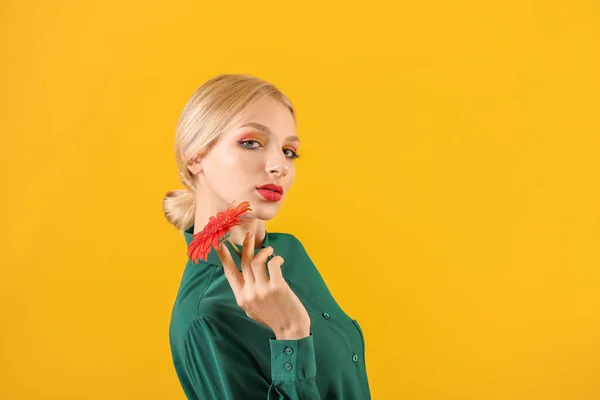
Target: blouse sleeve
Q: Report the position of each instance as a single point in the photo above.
(218, 366)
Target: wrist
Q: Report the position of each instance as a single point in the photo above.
(293, 334)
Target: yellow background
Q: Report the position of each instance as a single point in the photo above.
(447, 188)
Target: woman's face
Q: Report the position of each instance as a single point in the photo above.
(259, 149)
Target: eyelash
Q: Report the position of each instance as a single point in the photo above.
(242, 142)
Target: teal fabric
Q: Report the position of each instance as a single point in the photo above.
(220, 353)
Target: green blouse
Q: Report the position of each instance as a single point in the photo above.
(220, 353)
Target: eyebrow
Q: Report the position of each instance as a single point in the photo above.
(266, 129)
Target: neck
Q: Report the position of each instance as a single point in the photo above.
(208, 206)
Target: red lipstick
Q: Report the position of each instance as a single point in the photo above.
(271, 191)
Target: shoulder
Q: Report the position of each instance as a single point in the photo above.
(286, 239)
(282, 236)
(195, 283)
(290, 245)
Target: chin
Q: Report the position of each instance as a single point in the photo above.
(265, 213)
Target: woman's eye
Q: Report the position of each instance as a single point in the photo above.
(249, 141)
(294, 154)
(247, 144)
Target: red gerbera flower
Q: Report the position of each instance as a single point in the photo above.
(217, 230)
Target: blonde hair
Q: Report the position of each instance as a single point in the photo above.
(209, 112)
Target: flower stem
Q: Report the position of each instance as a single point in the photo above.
(235, 248)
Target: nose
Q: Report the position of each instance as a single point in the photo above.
(277, 165)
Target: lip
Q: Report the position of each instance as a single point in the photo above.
(272, 187)
(269, 194)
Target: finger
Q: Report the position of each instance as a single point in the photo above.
(247, 256)
(258, 265)
(233, 275)
(274, 266)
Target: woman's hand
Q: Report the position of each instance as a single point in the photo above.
(266, 299)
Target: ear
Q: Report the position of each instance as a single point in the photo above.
(195, 166)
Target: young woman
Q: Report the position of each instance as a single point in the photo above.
(252, 327)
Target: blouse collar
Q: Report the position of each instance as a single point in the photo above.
(213, 257)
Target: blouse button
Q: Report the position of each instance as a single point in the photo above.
(355, 358)
(287, 366)
(325, 315)
(289, 351)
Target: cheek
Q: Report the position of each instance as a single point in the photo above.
(236, 169)
(231, 159)
(291, 177)
(291, 173)
(223, 166)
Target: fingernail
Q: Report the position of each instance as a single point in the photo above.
(220, 246)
